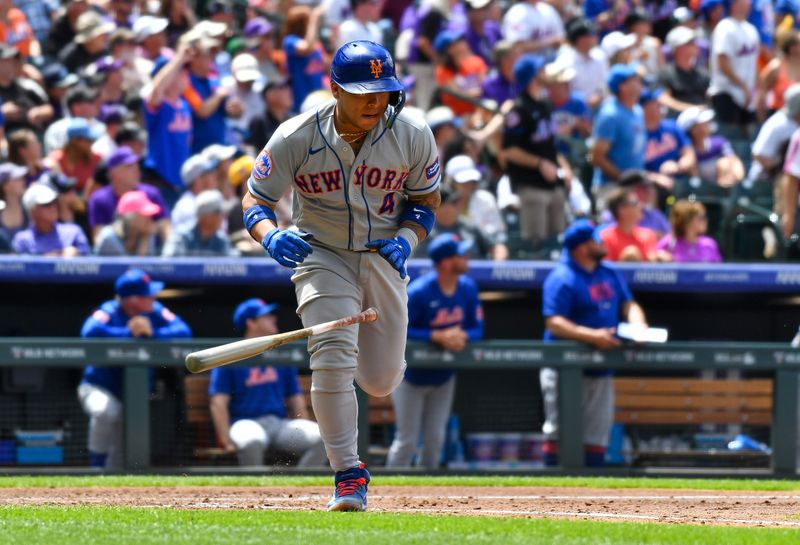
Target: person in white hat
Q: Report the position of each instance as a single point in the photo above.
(245, 85)
(537, 25)
(684, 82)
(716, 161)
(198, 176)
(90, 42)
(44, 235)
(151, 33)
(205, 238)
(618, 47)
(478, 204)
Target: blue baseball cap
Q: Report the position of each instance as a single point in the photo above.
(446, 39)
(447, 245)
(78, 127)
(580, 231)
(252, 308)
(528, 67)
(137, 282)
(650, 93)
(618, 74)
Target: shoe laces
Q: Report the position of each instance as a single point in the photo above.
(348, 487)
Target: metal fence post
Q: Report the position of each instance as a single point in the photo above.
(137, 418)
(570, 418)
(784, 422)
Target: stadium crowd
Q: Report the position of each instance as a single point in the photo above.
(129, 127)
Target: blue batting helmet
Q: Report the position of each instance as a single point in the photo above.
(361, 67)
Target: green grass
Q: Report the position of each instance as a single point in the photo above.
(387, 480)
(123, 526)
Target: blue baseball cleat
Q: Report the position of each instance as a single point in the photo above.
(350, 492)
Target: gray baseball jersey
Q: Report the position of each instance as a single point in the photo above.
(342, 199)
(346, 200)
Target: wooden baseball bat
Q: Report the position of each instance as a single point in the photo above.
(217, 356)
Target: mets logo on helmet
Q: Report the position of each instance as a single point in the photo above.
(375, 67)
(263, 166)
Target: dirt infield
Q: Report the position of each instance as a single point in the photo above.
(775, 509)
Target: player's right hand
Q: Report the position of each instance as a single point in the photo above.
(286, 247)
(605, 338)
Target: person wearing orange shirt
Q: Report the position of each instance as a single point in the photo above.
(625, 240)
(15, 30)
(459, 69)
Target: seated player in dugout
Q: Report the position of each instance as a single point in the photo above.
(262, 408)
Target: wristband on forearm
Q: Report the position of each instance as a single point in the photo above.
(257, 213)
(409, 235)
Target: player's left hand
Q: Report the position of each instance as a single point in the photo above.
(394, 250)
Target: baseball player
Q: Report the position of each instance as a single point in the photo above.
(265, 403)
(583, 299)
(365, 180)
(443, 308)
(134, 313)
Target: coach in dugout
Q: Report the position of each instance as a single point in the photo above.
(262, 407)
(583, 299)
(134, 313)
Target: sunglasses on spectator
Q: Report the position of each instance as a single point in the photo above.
(634, 202)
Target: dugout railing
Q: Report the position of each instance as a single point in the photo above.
(782, 362)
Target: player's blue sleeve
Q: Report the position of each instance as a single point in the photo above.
(426, 172)
(290, 44)
(683, 139)
(605, 127)
(593, 8)
(473, 319)
(625, 294)
(418, 329)
(220, 381)
(99, 325)
(291, 386)
(167, 325)
(556, 295)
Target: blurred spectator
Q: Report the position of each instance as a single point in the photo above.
(124, 175)
(789, 186)
(90, 41)
(537, 25)
(208, 99)
(24, 149)
(76, 159)
(82, 103)
(716, 161)
(668, 152)
(771, 143)
(644, 189)
(684, 82)
(608, 15)
(240, 239)
(476, 204)
(245, 86)
(105, 75)
(56, 81)
(71, 208)
(168, 119)
(198, 176)
(260, 40)
(121, 12)
(40, 14)
(734, 56)
(499, 85)
(571, 114)
(135, 69)
(588, 61)
(24, 102)
(13, 217)
(625, 240)
(278, 108)
(362, 23)
(16, 32)
(779, 74)
(482, 32)
(259, 408)
(687, 243)
(618, 48)
(443, 309)
(444, 125)
(222, 156)
(539, 175)
(206, 237)
(151, 35)
(180, 17)
(44, 235)
(133, 232)
(619, 133)
(112, 116)
(584, 299)
(304, 56)
(62, 31)
(459, 70)
(646, 48)
(132, 135)
(134, 313)
(5, 242)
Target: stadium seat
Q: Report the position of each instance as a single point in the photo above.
(760, 193)
(752, 233)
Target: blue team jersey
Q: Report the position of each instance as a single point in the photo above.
(566, 115)
(624, 129)
(305, 71)
(209, 130)
(169, 136)
(255, 391)
(110, 321)
(429, 309)
(664, 144)
(592, 299)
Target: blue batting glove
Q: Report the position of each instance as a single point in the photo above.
(394, 250)
(287, 247)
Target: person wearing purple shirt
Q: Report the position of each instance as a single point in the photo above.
(481, 32)
(687, 243)
(44, 235)
(124, 175)
(500, 85)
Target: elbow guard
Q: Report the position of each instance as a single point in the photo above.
(421, 215)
